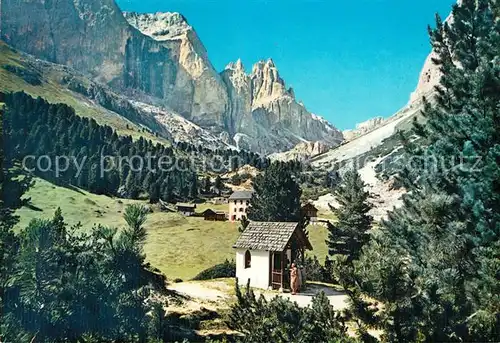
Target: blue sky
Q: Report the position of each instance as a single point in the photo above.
(348, 61)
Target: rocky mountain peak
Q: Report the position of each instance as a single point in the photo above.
(239, 65)
(159, 59)
(267, 85)
(236, 66)
(265, 66)
(173, 30)
(429, 78)
(430, 75)
(160, 25)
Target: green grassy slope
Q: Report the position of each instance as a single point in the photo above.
(53, 92)
(77, 205)
(180, 247)
(317, 236)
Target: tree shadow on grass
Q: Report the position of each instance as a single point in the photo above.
(33, 207)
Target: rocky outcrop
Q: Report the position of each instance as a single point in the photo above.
(430, 75)
(264, 114)
(362, 128)
(200, 95)
(91, 36)
(158, 59)
(256, 111)
(239, 88)
(252, 111)
(301, 152)
(429, 78)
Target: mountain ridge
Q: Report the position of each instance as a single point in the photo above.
(258, 104)
(159, 60)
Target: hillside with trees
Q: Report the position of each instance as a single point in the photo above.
(96, 158)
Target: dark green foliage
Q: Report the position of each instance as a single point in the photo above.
(277, 195)
(236, 179)
(222, 270)
(193, 186)
(135, 166)
(280, 320)
(30, 76)
(435, 264)
(346, 239)
(206, 185)
(13, 181)
(318, 272)
(348, 235)
(13, 184)
(243, 224)
(360, 311)
(218, 185)
(65, 285)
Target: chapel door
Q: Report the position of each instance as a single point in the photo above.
(277, 269)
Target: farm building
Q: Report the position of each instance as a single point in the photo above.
(185, 209)
(238, 204)
(310, 212)
(265, 252)
(212, 215)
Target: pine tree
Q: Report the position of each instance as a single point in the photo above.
(349, 234)
(218, 184)
(193, 187)
(277, 195)
(131, 185)
(62, 276)
(206, 185)
(148, 181)
(282, 321)
(13, 185)
(435, 264)
(243, 224)
(166, 190)
(154, 192)
(346, 238)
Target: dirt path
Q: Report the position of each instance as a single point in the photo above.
(206, 291)
(220, 291)
(337, 299)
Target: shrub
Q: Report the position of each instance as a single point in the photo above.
(317, 272)
(225, 269)
(280, 320)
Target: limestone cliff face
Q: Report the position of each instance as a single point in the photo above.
(429, 78)
(91, 36)
(200, 94)
(159, 59)
(239, 88)
(265, 114)
(253, 111)
(430, 75)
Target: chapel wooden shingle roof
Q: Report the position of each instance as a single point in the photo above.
(270, 236)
